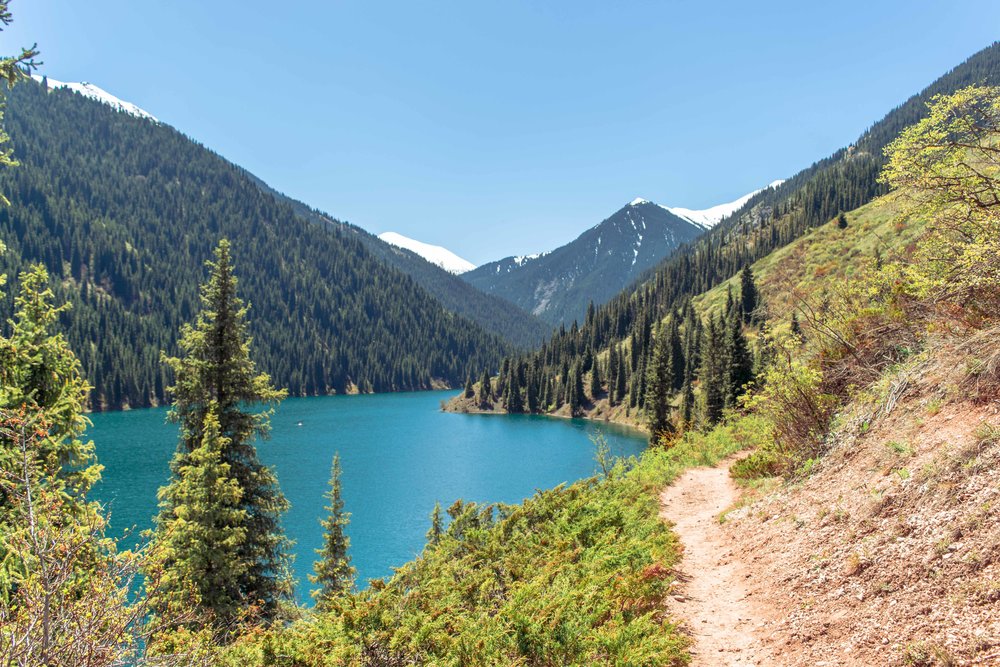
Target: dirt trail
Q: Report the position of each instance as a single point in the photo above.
(712, 598)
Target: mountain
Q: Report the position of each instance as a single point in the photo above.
(709, 217)
(558, 285)
(514, 325)
(434, 254)
(123, 212)
(93, 92)
(767, 221)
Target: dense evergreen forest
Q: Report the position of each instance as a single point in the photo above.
(123, 213)
(613, 353)
(495, 314)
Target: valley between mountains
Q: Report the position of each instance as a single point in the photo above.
(777, 433)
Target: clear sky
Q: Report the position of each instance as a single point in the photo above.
(508, 127)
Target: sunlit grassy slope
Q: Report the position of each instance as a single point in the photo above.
(818, 263)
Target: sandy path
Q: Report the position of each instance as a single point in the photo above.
(712, 597)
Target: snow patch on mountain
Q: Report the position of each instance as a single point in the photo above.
(709, 217)
(434, 254)
(96, 93)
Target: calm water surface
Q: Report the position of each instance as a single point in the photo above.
(399, 454)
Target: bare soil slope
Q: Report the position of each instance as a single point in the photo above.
(888, 553)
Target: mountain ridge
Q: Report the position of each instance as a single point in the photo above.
(123, 212)
(435, 254)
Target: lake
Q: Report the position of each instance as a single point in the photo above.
(399, 452)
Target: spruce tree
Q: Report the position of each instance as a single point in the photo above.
(39, 372)
(333, 571)
(437, 525)
(485, 390)
(514, 403)
(532, 401)
(215, 373)
(468, 392)
(201, 532)
(595, 381)
(841, 220)
(621, 380)
(659, 386)
(713, 372)
(612, 374)
(740, 362)
(749, 295)
(575, 390)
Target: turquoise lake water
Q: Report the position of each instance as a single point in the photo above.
(399, 455)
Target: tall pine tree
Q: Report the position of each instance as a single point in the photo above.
(201, 530)
(215, 374)
(334, 572)
(659, 385)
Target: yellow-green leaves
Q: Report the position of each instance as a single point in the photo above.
(946, 169)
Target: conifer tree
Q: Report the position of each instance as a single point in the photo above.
(612, 374)
(749, 295)
(595, 381)
(39, 371)
(468, 392)
(621, 380)
(713, 375)
(841, 220)
(531, 399)
(659, 385)
(215, 373)
(575, 389)
(201, 531)
(437, 525)
(485, 390)
(333, 571)
(740, 362)
(514, 402)
(687, 404)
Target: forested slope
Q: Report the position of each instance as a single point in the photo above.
(498, 315)
(123, 212)
(559, 376)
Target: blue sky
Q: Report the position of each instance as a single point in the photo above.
(500, 128)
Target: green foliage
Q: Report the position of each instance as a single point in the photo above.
(574, 576)
(436, 530)
(12, 70)
(947, 168)
(334, 572)
(39, 372)
(201, 531)
(216, 381)
(64, 589)
(768, 222)
(660, 384)
(793, 403)
(123, 212)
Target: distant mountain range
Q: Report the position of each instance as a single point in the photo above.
(709, 217)
(557, 286)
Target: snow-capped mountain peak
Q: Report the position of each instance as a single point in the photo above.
(639, 200)
(709, 217)
(96, 93)
(434, 254)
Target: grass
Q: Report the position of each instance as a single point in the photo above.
(821, 260)
(573, 576)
